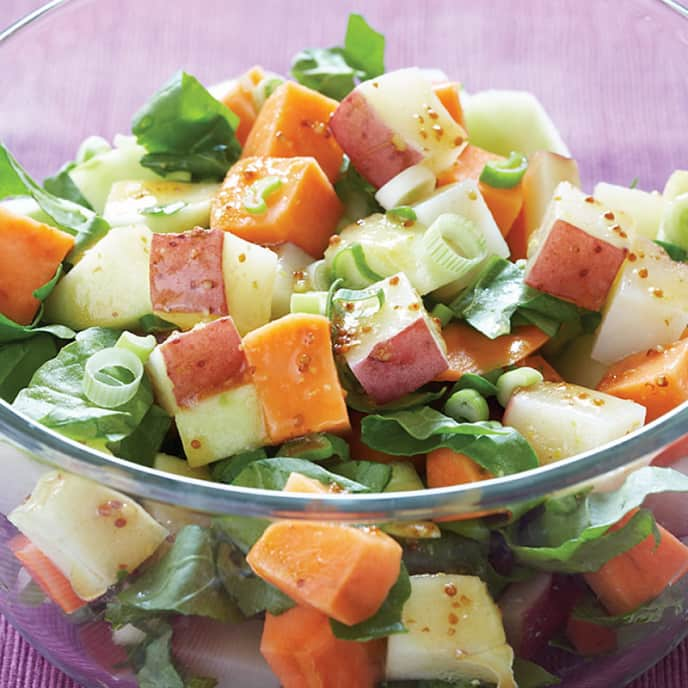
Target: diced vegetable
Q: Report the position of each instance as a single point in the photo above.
(348, 580)
(302, 650)
(448, 93)
(30, 254)
(394, 350)
(578, 250)
(177, 466)
(295, 122)
(290, 274)
(395, 121)
(301, 483)
(91, 533)
(413, 184)
(108, 287)
(561, 420)
(676, 185)
(454, 632)
(576, 364)
(445, 467)
(48, 577)
(651, 289)
(543, 367)
(237, 95)
(590, 639)
(640, 574)
(657, 379)
(304, 210)
(674, 225)
(469, 351)
(162, 206)
(645, 208)
(295, 377)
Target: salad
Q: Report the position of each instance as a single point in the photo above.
(348, 281)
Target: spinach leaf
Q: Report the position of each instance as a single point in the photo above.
(499, 449)
(184, 581)
(242, 531)
(226, 470)
(184, 128)
(19, 361)
(531, 675)
(677, 253)
(11, 331)
(151, 324)
(570, 534)
(335, 71)
(252, 594)
(361, 402)
(62, 186)
(272, 474)
(481, 384)
(386, 621)
(55, 396)
(144, 442)
(316, 447)
(372, 474)
(80, 222)
(356, 194)
(500, 299)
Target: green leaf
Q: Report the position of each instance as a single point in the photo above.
(226, 470)
(55, 396)
(356, 194)
(372, 474)
(43, 292)
(62, 186)
(165, 210)
(242, 531)
(144, 442)
(80, 222)
(531, 675)
(19, 360)
(184, 128)
(184, 582)
(151, 324)
(157, 670)
(675, 252)
(11, 331)
(479, 383)
(252, 594)
(316, 447)
(364, 47)
(272, 474)
(570, 534)
(386, 621)
(499, 449)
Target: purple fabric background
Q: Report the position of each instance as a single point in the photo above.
(631, 147)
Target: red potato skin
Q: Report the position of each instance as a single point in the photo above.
(576, 267)
(589, 639)
(369, 142)
(186, 272)
(205, 361)
(402, 364)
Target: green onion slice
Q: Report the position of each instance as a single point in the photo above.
(362, 302)
(443, 313)
(259, 191)
(455, 245)
(165, 210)
(314, 302)
(467, 404)
(319, 275)
(140, 346)
(351, 266)
(674, 227)
(106, 390)
(403, 212)
(505, 174)
(507, 383)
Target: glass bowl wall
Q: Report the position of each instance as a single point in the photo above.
(611, 73)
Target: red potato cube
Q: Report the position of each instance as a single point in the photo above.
(576, 267)
(186, 280)
(393, 122)
(204, 361)
(398, 348)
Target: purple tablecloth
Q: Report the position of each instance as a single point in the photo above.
(22, 667)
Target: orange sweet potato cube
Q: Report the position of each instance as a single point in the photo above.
(304, 210)
(295, 121)
(239, 99)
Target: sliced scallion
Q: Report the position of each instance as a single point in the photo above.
(507, 383)
(505, 174)
(140, 346)
(105, 389)
(674, 226)
(467, 405)
(413, 184)
(319, 275)
(314, 302)
(351, 266)
(259, 192)
(454, 245)
(365, 302)
(403, 212)
(443, 313)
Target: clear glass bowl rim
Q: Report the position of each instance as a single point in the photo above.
(144, 482)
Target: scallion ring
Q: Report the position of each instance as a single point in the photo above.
(454, 245)
(313, 302)
(350, 264)
(443, 313)
(259, 191)
(106, 390)
(365, 302)
(507, 383)
(505, 174)
(674, 227)
(140, 346)
(403, 212)
(467, 405)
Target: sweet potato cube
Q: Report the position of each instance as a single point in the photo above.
(293, 369)
(342, 571)
(239, 99)
(295, 122)
(205, 361)
(186, 281)
(302, 650)
(30, 253)
(657, 378)
(304, 210)
(448, 93)
(296, 482)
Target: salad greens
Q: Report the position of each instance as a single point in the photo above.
(185, 129)
(335, 71)
(19, 360)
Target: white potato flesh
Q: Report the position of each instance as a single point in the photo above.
(414, 184)
(560, 420)
(645, 208)
(455, 631)
(90, 532)
(183, 206)
(109, 286)
(156, 370)
(291, 260)
(249, 271)
(505, 121)
(95, 177)
(647, 306)
(676, 185)
(464, 198)
(221, 425)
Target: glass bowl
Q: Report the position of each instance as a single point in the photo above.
(611, 74)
